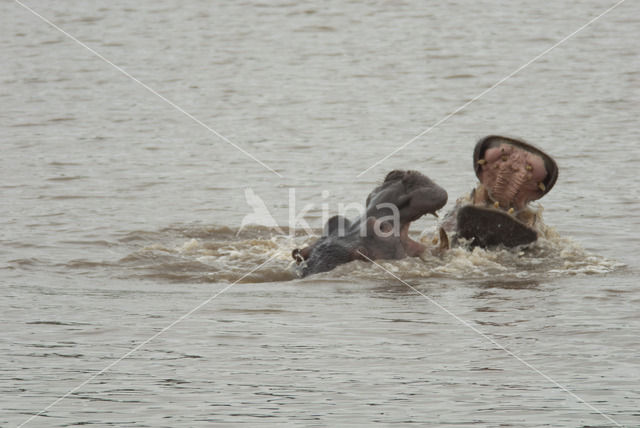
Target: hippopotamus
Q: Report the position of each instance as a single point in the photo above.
(511, 174)
(382, 232)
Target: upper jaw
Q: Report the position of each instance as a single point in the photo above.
(413, 193)
(429, 200)
(422, 201)
(512, 172)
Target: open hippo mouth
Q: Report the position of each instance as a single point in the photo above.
(382, 232)
(512, 173)
(404, 197)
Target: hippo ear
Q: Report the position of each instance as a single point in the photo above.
(336, 225)
(396, 174)
(301, 255)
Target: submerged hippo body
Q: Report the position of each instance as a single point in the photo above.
(382, 232)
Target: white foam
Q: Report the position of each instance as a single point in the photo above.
(228, 254)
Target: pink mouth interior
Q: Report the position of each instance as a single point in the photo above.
(512, 176)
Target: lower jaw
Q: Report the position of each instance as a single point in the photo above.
(522, 212)
(411, 247)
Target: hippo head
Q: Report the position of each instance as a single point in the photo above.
(412, 193)
(511, 174)
(383, 231)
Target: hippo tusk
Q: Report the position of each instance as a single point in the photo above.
(444, 240)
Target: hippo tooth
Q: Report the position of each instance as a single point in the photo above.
(496, 204)
(482, 161)
(511, 210)
(541, 186)
(529, 168)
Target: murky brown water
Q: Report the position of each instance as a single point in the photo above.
(120, 215)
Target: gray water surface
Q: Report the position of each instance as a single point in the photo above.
(121, 214)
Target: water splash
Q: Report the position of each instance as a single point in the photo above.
(221, 254)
